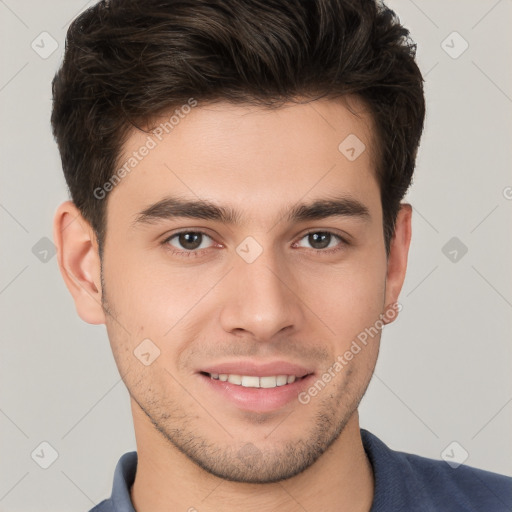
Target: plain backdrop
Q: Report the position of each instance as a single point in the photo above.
(443, 380)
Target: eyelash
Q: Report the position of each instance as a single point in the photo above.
(198, 252)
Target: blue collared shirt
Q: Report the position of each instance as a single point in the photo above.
(403, 483)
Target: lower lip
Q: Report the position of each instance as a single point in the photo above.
(258, 399)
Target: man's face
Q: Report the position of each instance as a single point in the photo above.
(266, 296)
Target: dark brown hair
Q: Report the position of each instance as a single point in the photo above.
(128, 61)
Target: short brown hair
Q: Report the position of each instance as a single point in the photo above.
(128, 61)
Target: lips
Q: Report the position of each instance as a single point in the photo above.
(252, 369)
(250, 386)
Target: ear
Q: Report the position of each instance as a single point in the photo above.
(79, 263)
(398, 253)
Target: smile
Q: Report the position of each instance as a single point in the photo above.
(253, 381)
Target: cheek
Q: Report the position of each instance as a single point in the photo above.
(347, 298)
(156, 302)
(144, 293)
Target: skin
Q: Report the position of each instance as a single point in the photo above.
(293, 303)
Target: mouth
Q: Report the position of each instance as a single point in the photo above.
(257, 388)
(254, 381)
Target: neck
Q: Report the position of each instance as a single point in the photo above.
(340, 480)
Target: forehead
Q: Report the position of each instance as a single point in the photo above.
(250, 158)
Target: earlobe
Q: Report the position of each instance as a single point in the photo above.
(79, 261)
(399, 251)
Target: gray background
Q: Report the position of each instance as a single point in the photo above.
(444, 368)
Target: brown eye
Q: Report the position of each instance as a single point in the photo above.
(320, 240)
(188, 240)
(323, 243)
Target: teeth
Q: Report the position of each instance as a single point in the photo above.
(268, 382)
(235, 379)
(282, 380)
(251, 381)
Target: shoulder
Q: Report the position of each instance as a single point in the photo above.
(466, 487)
(413, 482)
(104, 506)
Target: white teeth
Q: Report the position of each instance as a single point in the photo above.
(268, 382)
(282, 380)
(235, 379)
(251, 381)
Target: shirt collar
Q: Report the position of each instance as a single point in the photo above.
(124, 476)
(397, 486)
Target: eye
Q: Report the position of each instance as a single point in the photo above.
(191, 243)
(188, 241)
(322, 240)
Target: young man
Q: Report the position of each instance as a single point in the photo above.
(236, 171)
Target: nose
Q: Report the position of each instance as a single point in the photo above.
(260, 299)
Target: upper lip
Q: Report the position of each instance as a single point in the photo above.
(258, 369)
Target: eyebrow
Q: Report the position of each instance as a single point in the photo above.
(175, 207)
